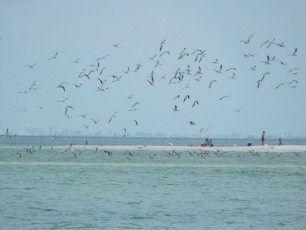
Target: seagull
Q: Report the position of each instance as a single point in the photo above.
(112, 116)
(32, 86)
(199, 72)
(157, 63)
(280, 85)
(162, 44)
(280, 44)
(249, 55)
(129, 97)
(221, 98)
(258, 83)
(136, 103)
(62, 87)
(248, 40)
(270, 43)
(68, 107)
(109, 153)
(220, 70)
(6, 135)
(98, 59)
(265, 42)
(102, 70)
(233, 76)
(76, 61)
(195, 103)
(267, 62)
(124, 129)
(31, 66)
(127, 71)
(165, 52)
(293, 81)
(175, 109)
(101, 81)
(137, 67)
(191, 123)
(294, 52)
(230, 69)
(116, 45)
(293, 70)
(264, 75)
(77, 85)
(186, 97)
(210, 84)
(152, 58)
(82, 115)
(183, 53)
(63, 100)
(53, 56)
(216, 62)
(253, 68)
(95, 121)
(116, 78)
(152, 156)
(136, 122)
(176, 97)
(151, 82)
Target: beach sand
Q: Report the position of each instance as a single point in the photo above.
(265, 148)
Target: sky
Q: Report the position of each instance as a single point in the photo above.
(99, 66)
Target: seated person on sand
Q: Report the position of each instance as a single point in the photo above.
(206, 143)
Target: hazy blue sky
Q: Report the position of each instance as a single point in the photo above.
(83, 31)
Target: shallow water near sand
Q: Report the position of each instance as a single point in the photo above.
(61, 188)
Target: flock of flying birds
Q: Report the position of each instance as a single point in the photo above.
(193, 72)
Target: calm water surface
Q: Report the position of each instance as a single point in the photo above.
(58, 189)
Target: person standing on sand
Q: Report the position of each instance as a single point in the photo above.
(263, 137)
(280, 141)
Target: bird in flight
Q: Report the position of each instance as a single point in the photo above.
(221, 98)
(31, 66)
(162, 44)
(95, 121)
(267, 62)
(265, 42)
(175, 109)
(294, 52)
(280, 85)
(210, 84)
(112, 116)
(220, 70)
(61, 86)
(248, 40)
(55, 55)
(75, 61)
(195, 103)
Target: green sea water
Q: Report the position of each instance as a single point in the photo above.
(88, 189)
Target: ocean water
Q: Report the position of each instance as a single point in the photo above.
(44, 187)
